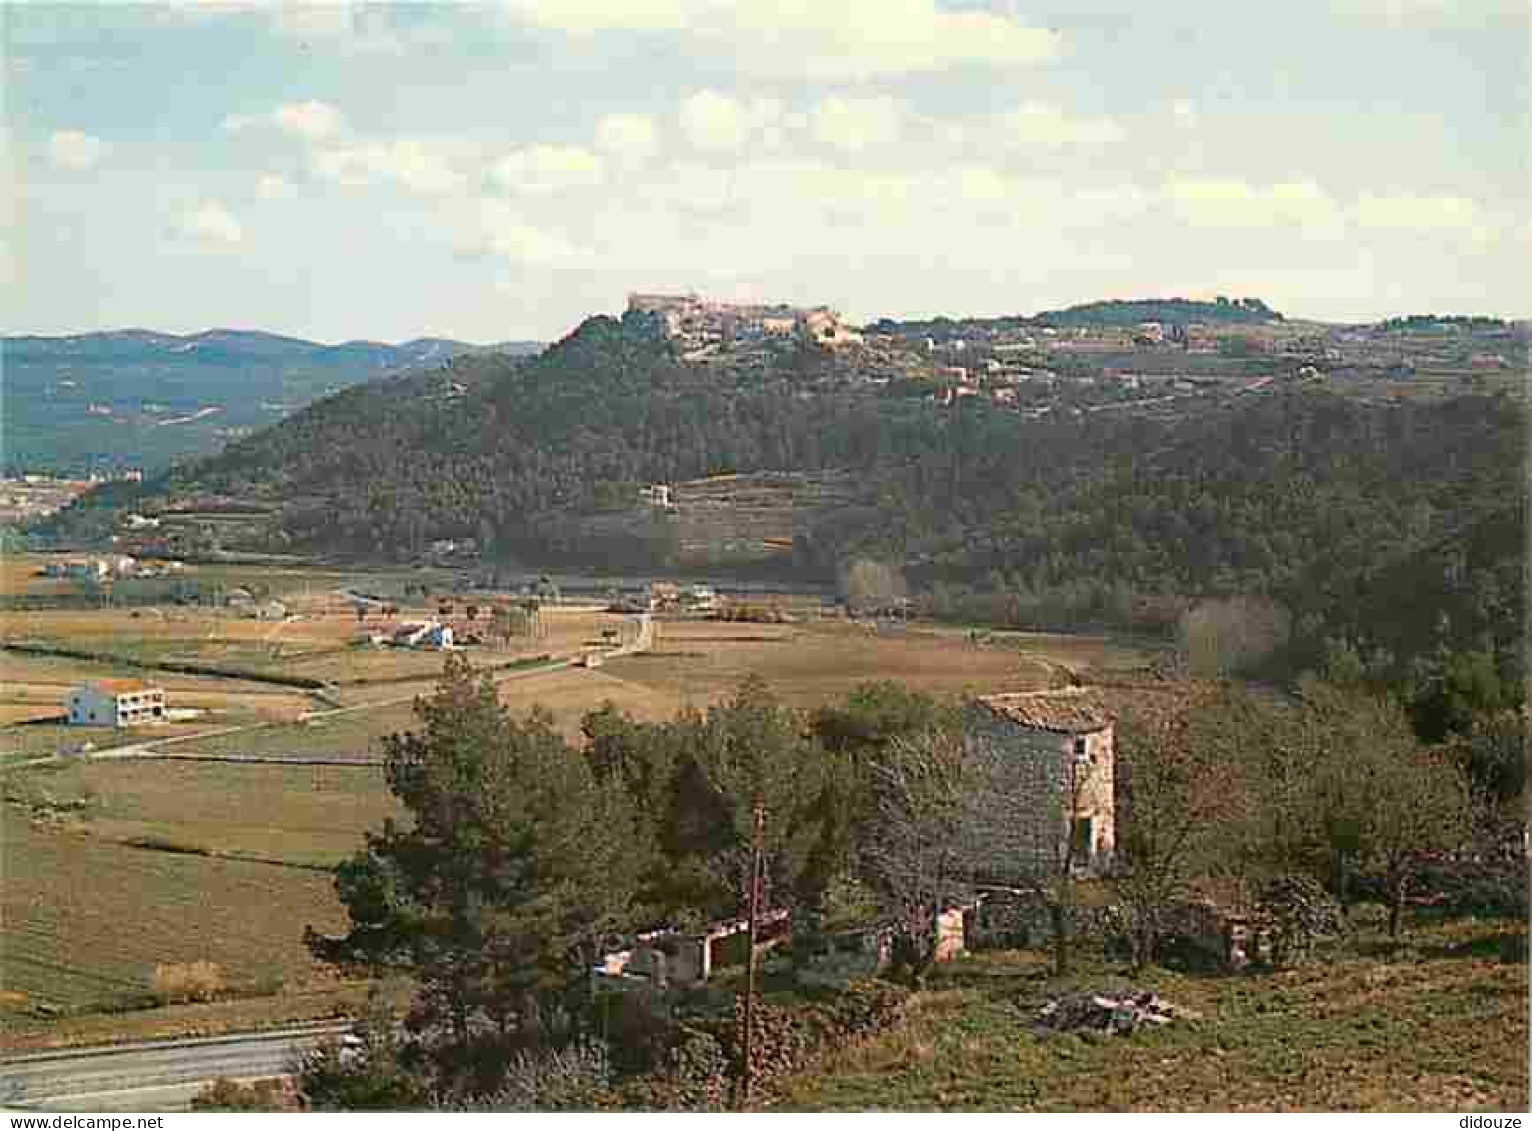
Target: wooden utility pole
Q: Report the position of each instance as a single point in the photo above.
(747, 1042)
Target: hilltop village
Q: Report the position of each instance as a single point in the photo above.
(695, 323)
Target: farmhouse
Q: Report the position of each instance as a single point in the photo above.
(668, 957)
(115, 703)
(94, 569)
(423, 634)
(1056, 750)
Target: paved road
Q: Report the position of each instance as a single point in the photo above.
(149, 1075)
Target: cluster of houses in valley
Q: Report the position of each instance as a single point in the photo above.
(693, 322)
(666, 597)
(430, 635)
(108, 568)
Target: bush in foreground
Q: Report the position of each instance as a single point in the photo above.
(187, 981)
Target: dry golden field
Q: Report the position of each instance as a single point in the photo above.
(21, 574)
(322, 646)
(810, 664)
(570, 694)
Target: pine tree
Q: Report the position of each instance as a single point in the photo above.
(498, 892)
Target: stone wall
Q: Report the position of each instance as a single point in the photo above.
(1097, 795)
(1033, 767)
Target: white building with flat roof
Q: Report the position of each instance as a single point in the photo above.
(115, 703)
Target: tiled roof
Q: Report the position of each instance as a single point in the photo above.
(1069, 710)
(122, 686)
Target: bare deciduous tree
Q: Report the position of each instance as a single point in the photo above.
(1222, 636)
(1389, 801)
(1181, 792)
(873, 585)
(913, 858)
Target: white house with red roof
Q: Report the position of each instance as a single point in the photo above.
(115, 703)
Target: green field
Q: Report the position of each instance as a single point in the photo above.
(87, 920)
(352, 734)
(45, 740)
(313, 816)
(1441, 1025)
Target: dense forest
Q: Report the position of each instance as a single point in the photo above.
(1130, 312)
(1386, 529)
(1111, 312)
(1437, 321)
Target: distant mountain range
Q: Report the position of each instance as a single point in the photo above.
(140, 398)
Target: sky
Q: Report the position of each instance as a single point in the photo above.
(501, 169)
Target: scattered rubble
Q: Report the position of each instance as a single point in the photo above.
(1117, 1013)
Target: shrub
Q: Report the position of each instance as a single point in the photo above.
(226, 1095)
(640, 1035)
(1296, 911)
(1513, 947)
(746, 613)
(700, 1067)
(187, 981)
(335, 1076)
(165, 844)
(787, 1039)
(1489, 887)
(575, 1078)
(694, 1076)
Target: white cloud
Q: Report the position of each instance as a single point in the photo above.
(693, 188)
(855, 125)
(350, 28)
(310, 20)
(544, 170)
(418, 166)
(271, 186)
(1235, 203)
(212, 223)
(313, 121)
(1404, 212)
(1040, 125)
(1111, 203)
(492, 227)
(714, 123)
(1461, 13)
(632, 138)
(980, 184)
(851, 40)
(72, 149)
(583, 17)
(798, 192)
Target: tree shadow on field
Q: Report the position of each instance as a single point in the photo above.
(1505, 946)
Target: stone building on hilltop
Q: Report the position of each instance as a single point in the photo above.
(694, 322)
